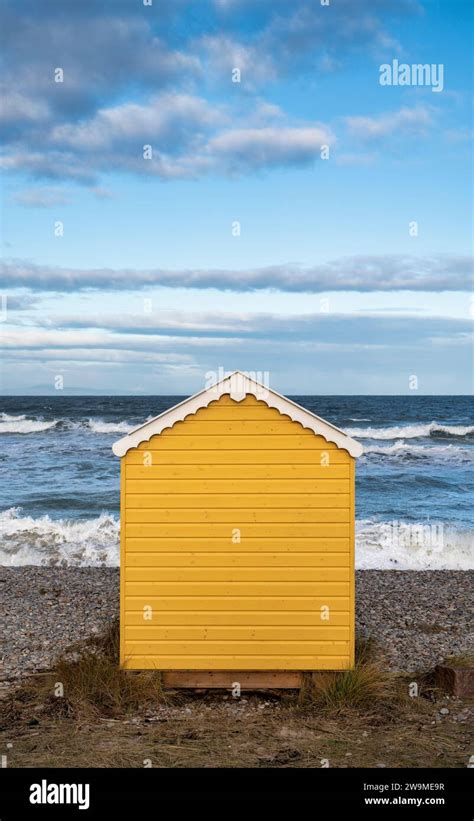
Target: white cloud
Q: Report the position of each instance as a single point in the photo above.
(260, 148)
(224, 54)
(406, 120)
(169, 120)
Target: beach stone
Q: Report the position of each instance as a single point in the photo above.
(398, 609)
(459, 681)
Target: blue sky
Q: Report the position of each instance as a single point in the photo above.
(327, 285)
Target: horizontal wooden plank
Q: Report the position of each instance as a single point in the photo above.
(248, 588)
(248, 529)
(266, 575)
(190, 441)
(148, 632)
(193, 426)
(290, 487)
(218, 410)
(256, 603)
(307, 662)
(238, 471)
(241, 410)
(289, 558)
(213, 649)
(245, 548)
(225, 680)
(237, 618)
(256, 456)
(214, 501)
(257, 523)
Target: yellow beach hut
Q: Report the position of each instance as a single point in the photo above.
(237, 540)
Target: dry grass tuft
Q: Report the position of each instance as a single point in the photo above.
(462, 660)
(367, 687)
(94, 684)
(114, 718)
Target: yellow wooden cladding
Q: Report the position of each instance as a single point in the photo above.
(247, 427)
(237, 662)
(294, 517)
(289, 559)
(241, 618)
(250, 647)
(148, 454)
(231, 500)
(235, 486)
(232, 633)
(299, 440)
(232, 574)
(237, 545)
(225, 602)
(238, 472)
(252, 588)
(256, 545)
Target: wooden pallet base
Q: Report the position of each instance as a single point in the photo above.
(226, 679)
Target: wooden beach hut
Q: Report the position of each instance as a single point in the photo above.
(237, 540)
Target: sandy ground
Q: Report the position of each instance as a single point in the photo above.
(417, 618)
(255, 731)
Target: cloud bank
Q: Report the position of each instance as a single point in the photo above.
(131, 73)
(386, 272)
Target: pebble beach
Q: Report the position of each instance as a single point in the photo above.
(417, 618)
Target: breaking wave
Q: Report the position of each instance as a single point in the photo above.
(99, 426)
(25, 540)
(20, 424)
(412, 546)
(45, 541)
(405, 451)
(434, 430)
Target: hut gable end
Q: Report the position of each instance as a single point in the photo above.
(237, 387)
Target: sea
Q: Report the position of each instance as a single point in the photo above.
(59, 480)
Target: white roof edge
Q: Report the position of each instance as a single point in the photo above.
(238, 385)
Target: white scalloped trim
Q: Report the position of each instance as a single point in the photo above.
(238, 385)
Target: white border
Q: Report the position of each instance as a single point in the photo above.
(238, 385)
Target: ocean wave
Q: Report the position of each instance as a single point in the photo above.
(44, 541)
(20, 424)
(434, 430)
(25, 540)
(413, 546)
(99, 426)
(404, 451)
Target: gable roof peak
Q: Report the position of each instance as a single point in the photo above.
(237, 385)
